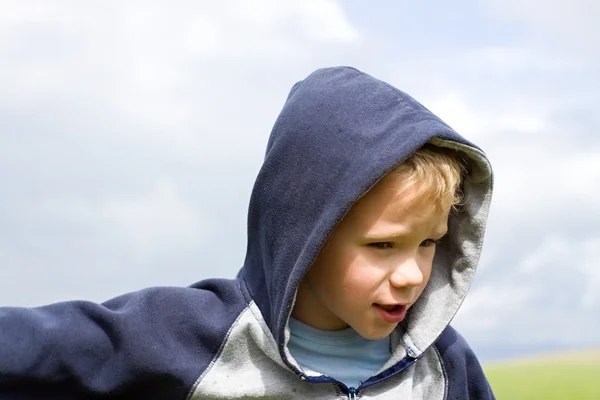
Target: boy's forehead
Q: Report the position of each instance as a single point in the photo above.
(391, 191)
(391, 202)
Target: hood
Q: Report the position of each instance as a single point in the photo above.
(339, 132)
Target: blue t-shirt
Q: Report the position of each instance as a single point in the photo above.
(343, 355)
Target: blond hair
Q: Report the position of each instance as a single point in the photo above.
(435, 174)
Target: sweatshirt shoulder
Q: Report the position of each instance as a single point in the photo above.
(192, 323)
(205, 311)
(465, 378)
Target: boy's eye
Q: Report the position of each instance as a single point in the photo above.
(381, 245)
(429, 242)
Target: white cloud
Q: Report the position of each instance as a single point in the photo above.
(557, 280)
(153, 220)
(486, 306)
(570, 24)
(484, 124)
(556, 15)
(511, 59)
(163, 66)
(147, 223)
(533, 184)
(323, 20)
(551, 250)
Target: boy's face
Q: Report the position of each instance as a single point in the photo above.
(380, 254)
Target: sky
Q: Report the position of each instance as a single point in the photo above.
(131, 133)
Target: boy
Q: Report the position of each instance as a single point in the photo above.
(364, 232)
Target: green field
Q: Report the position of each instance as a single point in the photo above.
(572, 376)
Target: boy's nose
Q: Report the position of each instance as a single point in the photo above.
(407, 274)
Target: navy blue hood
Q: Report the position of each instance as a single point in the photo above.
(339, 132)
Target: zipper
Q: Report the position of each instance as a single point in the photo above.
(352, 393)
(379, 378)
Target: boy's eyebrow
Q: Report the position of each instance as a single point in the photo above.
(384, 235)
(395, 235)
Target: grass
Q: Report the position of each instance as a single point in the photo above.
(563, 376)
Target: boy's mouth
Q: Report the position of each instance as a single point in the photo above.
(389, 307)
(391, 313)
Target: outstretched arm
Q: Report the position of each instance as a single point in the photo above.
(151, 344)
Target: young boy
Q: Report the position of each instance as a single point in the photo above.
(364, 231)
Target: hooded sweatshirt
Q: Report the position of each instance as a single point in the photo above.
(339, 132)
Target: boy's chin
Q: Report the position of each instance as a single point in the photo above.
(375, 333)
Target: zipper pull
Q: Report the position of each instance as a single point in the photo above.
(352, 393)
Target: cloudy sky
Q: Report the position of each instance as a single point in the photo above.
(131, 133)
